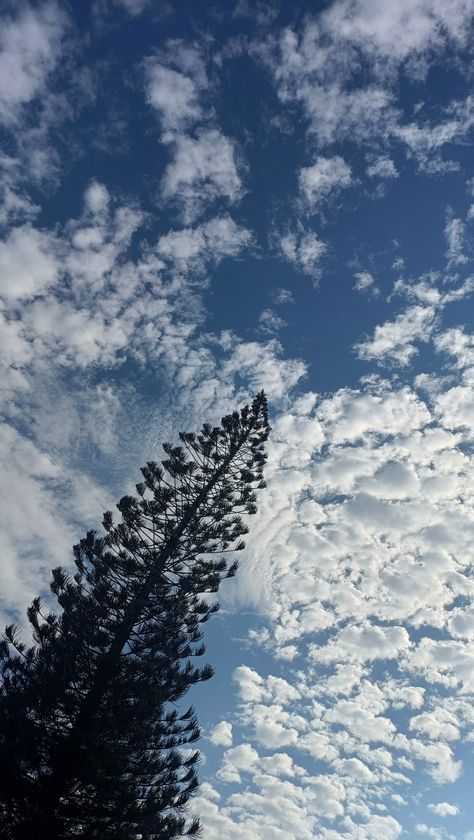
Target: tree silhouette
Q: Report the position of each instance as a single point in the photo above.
(91, 739)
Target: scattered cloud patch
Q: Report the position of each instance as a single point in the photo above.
(304, 249)
(30, 47)
(134, 7)
(444, 809)
(271, 322)
(454, 232)
(195, 247)
(382, 167)
(202, 170)
(325, 177)
(395, 341)
(364, 280)
(174, 85)
(221, 735)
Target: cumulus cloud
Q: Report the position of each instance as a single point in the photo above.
(205, 164)
(173, 95)
(395, 341)
(325, 177)
(192, 247)
(444, 809)
(396, 32)
(458, 344)
(202, 170)
(30, 46)
(221, 735)
(364, 281)
(368, 530)
(363, 643)
(271, 322)
(382, 167)
(96, 198)
(437, 724)
(339, 105)
(304, 249)
(28, 263)
(175, 81)
(349, 416)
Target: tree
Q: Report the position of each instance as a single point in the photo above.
(92, 744)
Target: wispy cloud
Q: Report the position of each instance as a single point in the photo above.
(202, 171)
(303, 248)
(30, 47)
(325, 177)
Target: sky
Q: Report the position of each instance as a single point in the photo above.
(202, 199)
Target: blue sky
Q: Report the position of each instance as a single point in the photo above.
(199, 200)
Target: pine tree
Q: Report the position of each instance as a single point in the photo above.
(92, 741)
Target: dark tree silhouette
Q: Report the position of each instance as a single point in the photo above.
(92, 742)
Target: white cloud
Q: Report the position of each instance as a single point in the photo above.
(261, 365)
(454, 232)
(175, 95)
(96, 198)
(304, 249)
(356, 769)
(444, 809)
(282, 296)
(365, 724)
(270, 322)
(204, 166)
(437, 724)
(317, 64)
(461, 623)
(261, 12)
(30, 46)
(326, 176)
(30, 478)
(237, 760)
(399, 30)
(372, 566)
(363, 644)
(195, 247)
(449, 663)
(249, 682)
(134, 7)
(202, 170)
(394, 341)
(15, 206)
(28, 264)
(458, 344)
(307, 69)
(364, 280)
(221, 735)
(455, 407)
(425, 141)
(382, 167)
(349, 416)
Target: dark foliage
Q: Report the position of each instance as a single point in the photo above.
(91, 742)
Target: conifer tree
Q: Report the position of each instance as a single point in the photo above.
(93, 743)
